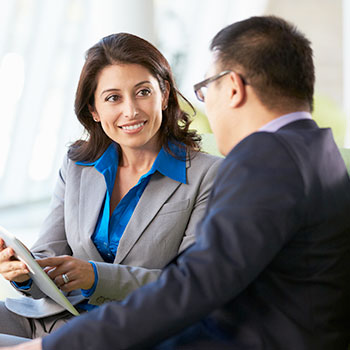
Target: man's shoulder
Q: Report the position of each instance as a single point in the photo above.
(265, 156)
(297, 138)
(257, 146)
(303, 155)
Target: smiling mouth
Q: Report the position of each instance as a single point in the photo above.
(133, 127)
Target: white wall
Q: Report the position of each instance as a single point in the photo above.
(42, 49)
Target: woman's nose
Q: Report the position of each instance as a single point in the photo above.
(129, 108)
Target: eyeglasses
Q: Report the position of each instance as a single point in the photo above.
(200, 89)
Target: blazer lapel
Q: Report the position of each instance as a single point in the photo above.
(92, 194)
(158, 190)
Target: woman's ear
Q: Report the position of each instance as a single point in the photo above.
(94, 114)
(236, 89)
(166, 96)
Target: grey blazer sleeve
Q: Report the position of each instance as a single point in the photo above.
(116, 281)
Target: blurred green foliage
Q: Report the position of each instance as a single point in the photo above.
(328, 114)
(199, 119)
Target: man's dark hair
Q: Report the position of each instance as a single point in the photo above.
(272, 56)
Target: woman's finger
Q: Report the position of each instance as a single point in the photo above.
(53, 262)
(47, 269)
(69, 264)
(79, 271)
(53, 273)
(16, 275)
(10, 266)
(12, 269)
(64, 279)
(6, 254)
(71, 285)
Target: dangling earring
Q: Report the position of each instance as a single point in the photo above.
(165, 107)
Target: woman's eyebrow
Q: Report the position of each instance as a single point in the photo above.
(109, 90)
(115, 89)
(143, 82)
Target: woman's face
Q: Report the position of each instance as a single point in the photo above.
(129, 104)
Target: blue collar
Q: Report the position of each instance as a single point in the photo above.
(165, 163)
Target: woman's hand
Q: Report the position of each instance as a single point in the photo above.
(11, 268)
(80, 273)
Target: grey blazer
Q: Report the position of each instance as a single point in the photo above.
(162, 225)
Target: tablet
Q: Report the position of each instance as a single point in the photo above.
(39, 276)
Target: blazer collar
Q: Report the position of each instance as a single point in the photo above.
(157, 192)
(91, 198)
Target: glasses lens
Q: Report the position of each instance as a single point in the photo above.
(199, 95)
(202, 92)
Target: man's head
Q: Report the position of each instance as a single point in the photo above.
(271, 66)
(272, 56)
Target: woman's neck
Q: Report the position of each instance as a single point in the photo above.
(138, 160)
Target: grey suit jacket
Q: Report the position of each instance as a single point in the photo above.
(162, 225)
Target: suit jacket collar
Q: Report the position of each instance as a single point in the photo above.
(284, 120)
(304, 123)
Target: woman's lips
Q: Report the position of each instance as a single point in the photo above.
(132, 128)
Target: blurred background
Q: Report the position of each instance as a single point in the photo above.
(42, 47)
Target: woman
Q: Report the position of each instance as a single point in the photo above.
(127, 199)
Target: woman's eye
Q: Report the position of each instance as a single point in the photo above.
(144, 92)
(112, 98)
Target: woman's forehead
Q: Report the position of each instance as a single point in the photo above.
(124, 75)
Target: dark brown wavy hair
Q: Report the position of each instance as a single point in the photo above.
(124, 48)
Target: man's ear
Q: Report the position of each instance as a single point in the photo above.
(237, 90)
(94, 114)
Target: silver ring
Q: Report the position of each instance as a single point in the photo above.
(65, 278)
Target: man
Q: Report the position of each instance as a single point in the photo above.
(270, 268)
